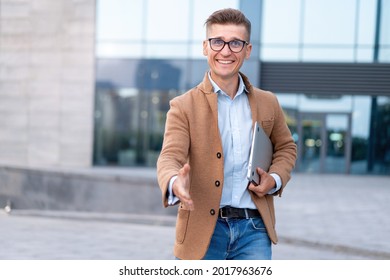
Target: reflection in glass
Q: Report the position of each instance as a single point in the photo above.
(360, 134)
(142, 64)
(129, 126)
(343, 134)
(324, 145)
(310, 144)
(381, 136)
(338, 145)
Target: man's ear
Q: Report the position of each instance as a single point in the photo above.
(248, 51)
(205, 50)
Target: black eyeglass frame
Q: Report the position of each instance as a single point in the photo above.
(228, 43)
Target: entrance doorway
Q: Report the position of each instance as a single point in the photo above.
(324, 144)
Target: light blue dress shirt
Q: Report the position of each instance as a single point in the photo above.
(235, 128)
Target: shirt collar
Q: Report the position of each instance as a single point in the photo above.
(218, 90)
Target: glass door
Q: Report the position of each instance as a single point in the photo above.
(310, 142)
(338, 143)
(324, 144)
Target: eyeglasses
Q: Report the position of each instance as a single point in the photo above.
(235, 46)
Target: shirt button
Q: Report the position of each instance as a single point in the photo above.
(212, 212)
(217, 183)
(219, 155)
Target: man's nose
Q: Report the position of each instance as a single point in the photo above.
(226, 50)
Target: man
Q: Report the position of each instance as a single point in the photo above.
(204, 158)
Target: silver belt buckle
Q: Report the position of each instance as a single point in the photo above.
(221, 214)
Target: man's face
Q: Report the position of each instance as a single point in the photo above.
(225, 64)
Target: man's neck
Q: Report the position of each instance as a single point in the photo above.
(229, 86)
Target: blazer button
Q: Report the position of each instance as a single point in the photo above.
(212, 212)
(217, 183)
(219, 155)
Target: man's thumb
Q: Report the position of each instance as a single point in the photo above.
(186, 169)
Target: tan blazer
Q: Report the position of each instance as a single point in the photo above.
(192, 135)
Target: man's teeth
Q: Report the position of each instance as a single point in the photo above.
(225, 61)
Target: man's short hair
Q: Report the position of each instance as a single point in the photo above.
(229, 16)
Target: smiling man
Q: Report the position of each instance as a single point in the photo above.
(204, 158)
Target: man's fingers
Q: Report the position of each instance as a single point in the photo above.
(183, 191)
(267, 182)
(189, 204)
(260, 171)
(185, 198)
(258, 190)
(184, 194)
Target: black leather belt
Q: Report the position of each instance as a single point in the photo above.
(239, 213)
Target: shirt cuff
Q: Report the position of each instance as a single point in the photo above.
(278, 185)
(172, 199)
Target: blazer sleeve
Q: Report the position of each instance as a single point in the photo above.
(176, 143)
(285, 149)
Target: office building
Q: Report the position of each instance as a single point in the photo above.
(88, 83)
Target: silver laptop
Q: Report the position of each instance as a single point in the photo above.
(261, 154)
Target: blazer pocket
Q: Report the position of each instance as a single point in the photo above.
(182, 224)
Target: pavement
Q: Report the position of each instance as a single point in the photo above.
(319, 217)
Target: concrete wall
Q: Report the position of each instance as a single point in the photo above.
(47, 78)
(99, 190)
(47, 82)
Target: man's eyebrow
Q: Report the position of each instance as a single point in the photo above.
(234, 38)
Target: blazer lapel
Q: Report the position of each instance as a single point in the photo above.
(253, 106)
(212, 99)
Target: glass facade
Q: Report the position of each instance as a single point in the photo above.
(334, 133)
(146, 59)
(307, 32)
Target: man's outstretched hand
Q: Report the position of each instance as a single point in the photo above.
(181, 187)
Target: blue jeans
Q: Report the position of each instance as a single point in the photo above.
(239, 239)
